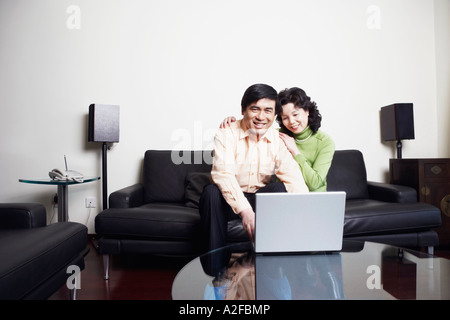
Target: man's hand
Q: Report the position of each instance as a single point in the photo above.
(248, 222)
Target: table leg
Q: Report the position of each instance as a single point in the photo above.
(63, 214)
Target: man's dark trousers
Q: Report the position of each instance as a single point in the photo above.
(215, 212)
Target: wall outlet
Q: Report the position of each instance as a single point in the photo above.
(91, 202)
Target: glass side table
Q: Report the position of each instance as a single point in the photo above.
(62, 186)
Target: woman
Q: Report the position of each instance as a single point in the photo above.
(312, 148)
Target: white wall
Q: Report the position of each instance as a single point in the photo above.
(442, 30)
(178, 67)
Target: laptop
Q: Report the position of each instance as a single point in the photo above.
(294, 223)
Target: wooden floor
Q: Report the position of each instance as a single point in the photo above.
(136, 277)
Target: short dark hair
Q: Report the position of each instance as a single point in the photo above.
(257, 92)
(299, 98)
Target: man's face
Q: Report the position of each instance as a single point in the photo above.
(259, 116)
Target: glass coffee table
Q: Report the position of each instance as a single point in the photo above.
(360, 271)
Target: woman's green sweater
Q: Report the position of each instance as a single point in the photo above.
(316, 154)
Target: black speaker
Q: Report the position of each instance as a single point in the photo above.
(397, 122)
(103, 123)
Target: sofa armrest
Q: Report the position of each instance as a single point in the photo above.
(391, 192)
(128, 197)
(22, 215)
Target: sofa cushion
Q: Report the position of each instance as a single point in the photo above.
(164, 173)
(195, 182)
(32, 256)
(348, 173)
(161, 221)
(365, 217)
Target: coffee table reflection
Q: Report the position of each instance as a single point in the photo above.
(362, 270)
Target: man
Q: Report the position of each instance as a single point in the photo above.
(246, 155)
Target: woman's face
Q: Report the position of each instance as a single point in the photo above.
(294, 119)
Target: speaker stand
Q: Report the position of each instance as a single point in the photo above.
(104, 176)
(399, 149)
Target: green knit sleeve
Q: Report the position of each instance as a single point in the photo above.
(315, 171)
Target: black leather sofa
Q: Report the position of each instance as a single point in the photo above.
(381, 212)
(34, 257)
(160, 214)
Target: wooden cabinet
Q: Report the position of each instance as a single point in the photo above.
(431, 179)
